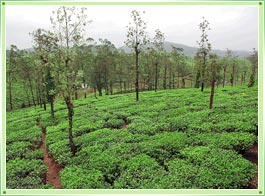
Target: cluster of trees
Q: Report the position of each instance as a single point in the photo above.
(64, 63)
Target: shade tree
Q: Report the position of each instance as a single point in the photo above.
(136, 39)
(68, 25)
(45, 45)
(204, 49)
(254, 61)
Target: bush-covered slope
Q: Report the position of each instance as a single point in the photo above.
(170, 139)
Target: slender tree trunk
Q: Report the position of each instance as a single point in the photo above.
(52, 107)
(43, 93)
(44, 104)
(252, 76)
(76, 94)
(40, 98)
(165, 78)
(197, 79)
(120, 84)
(37, 94)
(10, 80)
(156, 76)
(95, 92)
(99, 90)
(10, 92)
(111, 87)
(212, 93)
(170, 71)
(70, 108)
(178, 80)
(28, 97)
(224, 76)
(43, 99)
(203, 71)
(245, 77)
(233, 75)
(183, 82)
(173, 80)
(128, 84)
(29, 104)
(106, 88)
(137, 74)
(31, 90)
(202, 87)
(124, 85)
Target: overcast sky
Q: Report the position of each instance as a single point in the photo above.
(233, 27)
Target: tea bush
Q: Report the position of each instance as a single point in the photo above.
(219, 168)
(114, 123)
(17, 150)
(239, 141)
(74, 177)
(61, 151)
(163, 146)
(32, 135)
(139, 172)
(23, 173)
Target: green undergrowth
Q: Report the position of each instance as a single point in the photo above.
(24, 160)
(167, 140)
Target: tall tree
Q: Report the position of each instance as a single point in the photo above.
(136, 39)
(84, 59)
(204, 48)
(68, 24)
(233, 72)
(165, 60)
(10, 72)
(158, 41)
(45, 43)
(27, 72)
(228, 56)
(104, 66)
(254, 61)
(179, 61)
(121, 72)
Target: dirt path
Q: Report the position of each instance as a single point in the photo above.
(252, 155)
(124, 126)
(52, 176)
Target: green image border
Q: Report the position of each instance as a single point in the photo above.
(259, 191)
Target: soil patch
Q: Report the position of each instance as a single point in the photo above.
(124, 126)
(52, 176)
(252, 155)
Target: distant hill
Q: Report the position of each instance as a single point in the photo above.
(29, 50)
(191, 51)
(188, 50)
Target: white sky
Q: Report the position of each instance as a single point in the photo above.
(233, 27)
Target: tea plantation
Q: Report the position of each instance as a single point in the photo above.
(169, 140)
